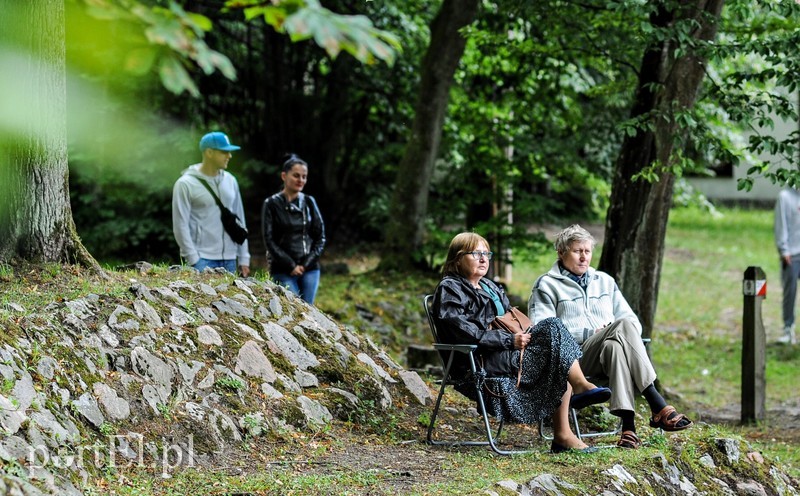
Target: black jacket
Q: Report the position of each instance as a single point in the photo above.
(463, 315)
(294, 233)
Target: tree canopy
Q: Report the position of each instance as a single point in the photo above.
(539, 106)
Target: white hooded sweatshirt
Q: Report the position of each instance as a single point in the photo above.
(196, 218)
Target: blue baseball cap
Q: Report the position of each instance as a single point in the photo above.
(217, 141)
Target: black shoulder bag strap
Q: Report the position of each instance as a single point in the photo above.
(208, 187)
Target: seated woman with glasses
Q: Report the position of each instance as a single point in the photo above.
(465, 304)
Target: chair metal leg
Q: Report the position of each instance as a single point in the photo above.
(490, 437)
(492, 444)
(573, 415)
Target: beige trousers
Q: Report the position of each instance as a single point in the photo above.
(616, 354)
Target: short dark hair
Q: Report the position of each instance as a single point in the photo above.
(462, 243)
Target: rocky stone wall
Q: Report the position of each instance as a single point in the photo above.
(172, 376)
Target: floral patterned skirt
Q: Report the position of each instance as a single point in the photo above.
(545, 365)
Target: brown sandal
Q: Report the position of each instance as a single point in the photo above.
(667, 419)
(629, 440)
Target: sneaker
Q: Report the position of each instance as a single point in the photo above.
(788, 336)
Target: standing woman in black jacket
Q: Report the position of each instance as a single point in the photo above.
(294, 233)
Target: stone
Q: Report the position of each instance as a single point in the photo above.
(107, 335)
(316, 414)
(86, 405)
(170, 294)
(550, 484)
(24, 392)
(208, 335)
(367, 360)
(275, 307)
(189, 371)
(14, 448)
(118, 322)
(750, 488)
(147, 313)
(11, 417)
(288, 346)
(250, 331)
(270, 392)
(708, 461)
(196, 412)
(417, 387)
(729, 448)
(233, 308)
(316, 320)
(115, 407)
(80, 308)
(207, 314)
(207, 382)
(289, 384)
(156, 396)
(152, 367)
(305, 379)
(47, 367)
(178, 317)
(251, 361)
(48, 423)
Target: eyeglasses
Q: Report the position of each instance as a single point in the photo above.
(478, 254)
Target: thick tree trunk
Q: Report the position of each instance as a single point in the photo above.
(636, 222)
(410, 200)
(35, 215)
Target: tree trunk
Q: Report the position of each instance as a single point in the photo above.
(35, 215)
(636, 222)
(410, 199)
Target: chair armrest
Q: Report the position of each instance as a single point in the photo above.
(463, 348)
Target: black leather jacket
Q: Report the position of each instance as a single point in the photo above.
(294, 233)
(463, 315)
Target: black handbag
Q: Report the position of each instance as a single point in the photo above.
(230, 221)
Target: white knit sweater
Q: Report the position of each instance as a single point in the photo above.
(555, 295)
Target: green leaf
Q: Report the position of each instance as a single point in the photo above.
(140, 61)
(200, 21)
(175, 78)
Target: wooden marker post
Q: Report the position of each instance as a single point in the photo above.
(754, 288)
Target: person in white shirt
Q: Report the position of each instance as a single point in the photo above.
(196, 217)
(787, 240)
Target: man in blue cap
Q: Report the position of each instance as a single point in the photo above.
(196, 215)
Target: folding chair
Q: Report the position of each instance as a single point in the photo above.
(573, 415)
(449, 350)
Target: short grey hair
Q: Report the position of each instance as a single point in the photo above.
(570, 235)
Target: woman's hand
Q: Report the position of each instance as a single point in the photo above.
(521, 340)
(297, 271)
